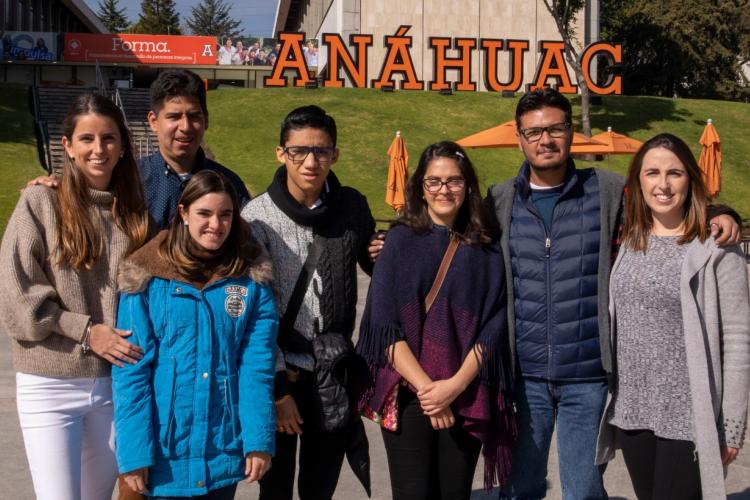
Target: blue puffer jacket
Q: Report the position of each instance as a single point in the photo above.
(201, 397)
(555, 280)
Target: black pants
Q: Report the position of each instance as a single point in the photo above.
(425, 463)
(660, 468)
(321, 455)
(225, 493)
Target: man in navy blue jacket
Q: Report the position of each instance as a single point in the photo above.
(559, 227)
(179, 117)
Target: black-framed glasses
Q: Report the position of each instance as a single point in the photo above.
(298, 154)
(434, 185)
(556, 130)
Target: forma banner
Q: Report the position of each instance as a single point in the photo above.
(29, 46)
(143, 49)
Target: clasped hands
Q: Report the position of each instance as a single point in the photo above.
(435, 398)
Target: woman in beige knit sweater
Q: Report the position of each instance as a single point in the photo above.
(59, 259)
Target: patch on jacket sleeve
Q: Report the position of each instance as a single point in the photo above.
(234, 304)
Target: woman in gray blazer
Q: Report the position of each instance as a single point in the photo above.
(680, 334)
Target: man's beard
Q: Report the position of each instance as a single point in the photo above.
(547, 168)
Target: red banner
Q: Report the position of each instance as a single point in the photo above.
(145, 49)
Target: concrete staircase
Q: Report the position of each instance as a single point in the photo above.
(136, 104)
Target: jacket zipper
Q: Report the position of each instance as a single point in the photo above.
(548, 284)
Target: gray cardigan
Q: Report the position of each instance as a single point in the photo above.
(611, 186)
(716, 324)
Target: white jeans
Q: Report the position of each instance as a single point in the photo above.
(69, 436)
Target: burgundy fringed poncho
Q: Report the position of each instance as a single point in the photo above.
(469, 310)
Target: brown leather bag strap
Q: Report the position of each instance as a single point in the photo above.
(442, 271)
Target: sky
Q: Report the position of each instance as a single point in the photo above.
(256, 16)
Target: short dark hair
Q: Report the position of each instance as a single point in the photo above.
(543, 98)
(473, 222)
(174, 83)
(308, 117)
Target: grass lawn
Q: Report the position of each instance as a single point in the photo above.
(244, 130)
(244, 125)
(18, 157)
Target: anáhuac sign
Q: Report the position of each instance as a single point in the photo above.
(398, 61)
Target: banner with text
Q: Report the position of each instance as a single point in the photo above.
(144, 49)
(29, 46)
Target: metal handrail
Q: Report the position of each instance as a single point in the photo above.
(121, 105)
(101, 88)
(35, 101)
(44, 133)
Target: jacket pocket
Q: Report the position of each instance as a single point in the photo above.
(164, 394)
(230, 422)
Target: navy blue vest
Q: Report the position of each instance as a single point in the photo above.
(555, 281)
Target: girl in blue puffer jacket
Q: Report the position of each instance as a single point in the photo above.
(195, 415)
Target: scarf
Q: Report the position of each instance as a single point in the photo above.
(469, 311)
(316, 218)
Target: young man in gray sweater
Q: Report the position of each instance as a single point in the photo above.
(305, 200)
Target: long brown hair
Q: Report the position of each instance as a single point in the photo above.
(80, 240)
(638, 219)
(472, 221)
(235, 256)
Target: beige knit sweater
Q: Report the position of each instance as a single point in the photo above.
(45, 307)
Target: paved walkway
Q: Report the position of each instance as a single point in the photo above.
(15, 477)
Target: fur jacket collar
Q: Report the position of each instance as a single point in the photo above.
(145, 263)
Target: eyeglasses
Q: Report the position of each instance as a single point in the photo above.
(555, 131)
(434, 185)
(298, 154)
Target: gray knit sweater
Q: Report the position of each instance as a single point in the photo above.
(652, 390)
(45, 307)
(288, 244)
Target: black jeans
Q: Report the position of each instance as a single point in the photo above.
(425, 463)
(225, 493)
(660, 468)
(321, 454)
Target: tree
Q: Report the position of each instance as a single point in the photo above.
(212, 18)
(687, 48)
(112, 16)
(158, 17)
(564, 12)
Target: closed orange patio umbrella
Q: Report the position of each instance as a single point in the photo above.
(504, 136)
(710, 160)
(397, 174)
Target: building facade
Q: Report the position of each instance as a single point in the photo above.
(490, 19)
(49, 15)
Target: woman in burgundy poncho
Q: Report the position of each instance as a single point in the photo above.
(440, 378)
